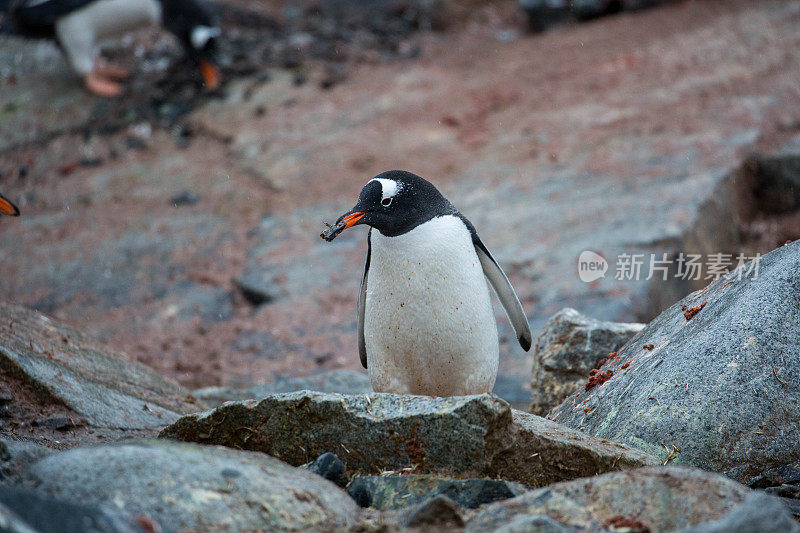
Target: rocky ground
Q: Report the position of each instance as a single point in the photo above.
(180, 228)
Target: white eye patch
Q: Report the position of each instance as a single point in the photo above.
(388, 187)
(202, 34)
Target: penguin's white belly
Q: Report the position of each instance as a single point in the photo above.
(429, 327)
(80, 31)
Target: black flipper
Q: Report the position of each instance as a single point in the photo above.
(362, 304)
(502, 287)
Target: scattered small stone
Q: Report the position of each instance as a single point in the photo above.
(59, 423)
(135, 143)
(299, 79)
(184, 198)
(438, 511)
(91, 162)
(6, 396)
(648, 347)
(230, 473)
(258, 288)
(330, 467)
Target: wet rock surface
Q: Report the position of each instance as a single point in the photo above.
(470, 436)
(189, 487)
(685, 400)
(98, 387)
(657, 498)
(567, 349)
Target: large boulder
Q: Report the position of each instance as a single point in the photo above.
(648, 499)
(714, 381)
(68, 368)
(17, 455)
(40, 513)
(567, 349)
(198, 488)
(467, 436)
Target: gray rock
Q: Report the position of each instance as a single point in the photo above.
(259, 286)
(46, 100)
(758, 513)
(439, 511)
(17, 455)
(201, 488)
(546, 13)
(660, 498)
(720, 391)
(99, 385)
(341, 381)
(468, 436)
(539, 452)
(397, 491)
(777, 182)
(11, 523)
(567, 349)
(776, 477)
(329, 467)
(44, 514)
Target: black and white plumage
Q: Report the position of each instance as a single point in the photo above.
(80, 25)
(7, 207)
(425, 320)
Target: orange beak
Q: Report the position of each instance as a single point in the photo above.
(7, 208)
(211, 74)
(350, 220)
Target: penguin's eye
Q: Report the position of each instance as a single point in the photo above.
(386, 202)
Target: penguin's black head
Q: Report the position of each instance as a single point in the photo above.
(195, 28)
(394, 203)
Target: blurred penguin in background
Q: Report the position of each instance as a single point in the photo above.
(78, 26)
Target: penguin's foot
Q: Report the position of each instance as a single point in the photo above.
(107, 70)
(101, 85)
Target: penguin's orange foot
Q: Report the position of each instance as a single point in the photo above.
(117, 72)
(102, 86)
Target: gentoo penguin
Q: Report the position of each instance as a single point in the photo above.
(79, 25)
(425, 320)
(7, 207)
